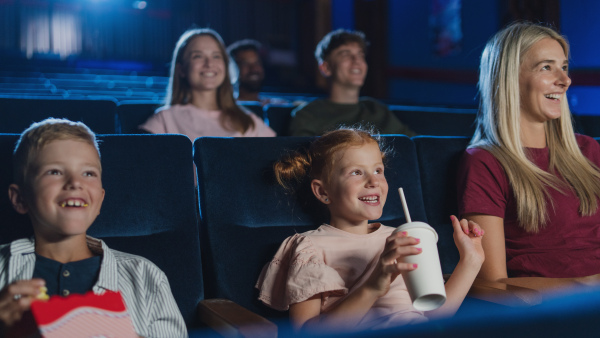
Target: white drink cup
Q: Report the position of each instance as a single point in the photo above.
(425, 284)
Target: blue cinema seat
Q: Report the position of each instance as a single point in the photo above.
(149, 208)
(16, 114)
(253, 106)
(438, 159)
(245, 215)
(438, 121)
(279, 117)
(587, 124)
(130, 114)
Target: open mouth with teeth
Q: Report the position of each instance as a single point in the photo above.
(555, 97)
(73, 203)
(370, 199)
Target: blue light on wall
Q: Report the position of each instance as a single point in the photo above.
(342, 14)
(139, 4)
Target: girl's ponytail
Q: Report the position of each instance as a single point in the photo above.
(292, 168)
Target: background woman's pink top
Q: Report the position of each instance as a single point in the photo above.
(195, 122)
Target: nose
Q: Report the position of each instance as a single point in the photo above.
(256, 67)
(73, 182)
(372, 181)
(563, 79)
(357, 58)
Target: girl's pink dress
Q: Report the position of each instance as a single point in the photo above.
(334, 263)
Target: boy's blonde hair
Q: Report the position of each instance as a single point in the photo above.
(38, 135)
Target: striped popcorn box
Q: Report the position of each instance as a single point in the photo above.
(88, 315)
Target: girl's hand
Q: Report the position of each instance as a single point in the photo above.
(467, 237)
(16, 298)
(389, 266)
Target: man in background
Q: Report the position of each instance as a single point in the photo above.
(341, 58)
(246, 55)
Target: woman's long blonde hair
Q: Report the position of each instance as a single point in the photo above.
(498, 131)
(180, 92)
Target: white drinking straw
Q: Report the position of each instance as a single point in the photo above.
(404, 206)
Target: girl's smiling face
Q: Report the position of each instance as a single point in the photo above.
(356, 190)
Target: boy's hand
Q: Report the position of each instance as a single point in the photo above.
(397, 245)
(16, 298)
(467, 237)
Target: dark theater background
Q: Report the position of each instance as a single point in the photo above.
(422, 52)
(109, 60)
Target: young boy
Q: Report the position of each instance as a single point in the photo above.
(58, 184)
(341, 58)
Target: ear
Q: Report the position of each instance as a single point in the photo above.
(325, 69)
(15, 194)
(318, 188)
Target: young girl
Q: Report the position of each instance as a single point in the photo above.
(346, 274)
(199, 98)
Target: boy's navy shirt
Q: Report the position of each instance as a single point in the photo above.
(65, 279)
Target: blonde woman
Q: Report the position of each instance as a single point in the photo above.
(199, 98)
(527, 178)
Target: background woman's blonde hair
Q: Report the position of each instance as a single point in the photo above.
(179, 91)
(498, 130)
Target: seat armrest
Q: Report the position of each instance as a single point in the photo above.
(232, 320)
(504, 294)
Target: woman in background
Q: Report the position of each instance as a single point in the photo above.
(199, 98)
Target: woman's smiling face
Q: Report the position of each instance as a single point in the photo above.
(203, 64)
(543, 81)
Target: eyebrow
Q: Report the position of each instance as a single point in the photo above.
(550, 61)
(360, 165)
(62, 163)
(201, 51)
(348, 50)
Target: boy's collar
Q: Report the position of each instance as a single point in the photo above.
(22, 246)
(108, 276)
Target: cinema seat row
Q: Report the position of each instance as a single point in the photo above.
(82, 85)
(213, 245)
(108, 116)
